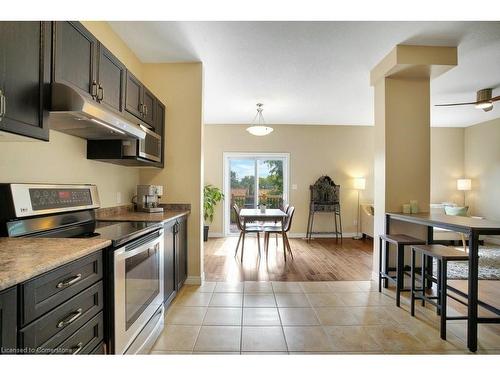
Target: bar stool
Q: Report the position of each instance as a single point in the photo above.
(400, 240)
(443, 255)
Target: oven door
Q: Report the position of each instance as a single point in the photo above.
(150, 147)
(138, 292)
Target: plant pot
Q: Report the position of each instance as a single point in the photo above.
(205, 233)
(262, 208)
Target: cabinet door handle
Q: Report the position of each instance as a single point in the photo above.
(141, 108)
(2, 104)
(93, 90)
(77, 348)
(70, 281)
(100, 93)
(145, 110)
(70, 318)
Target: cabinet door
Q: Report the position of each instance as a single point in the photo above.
(133, 95)
(75, 54)
(181, 251)
(111, 79)
(159, 126)
(25, 78)
(169, 258)
(8, 319)
(149, 107)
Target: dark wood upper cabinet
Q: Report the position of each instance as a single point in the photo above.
(159, 124)
(75, 57)
(8, 319)
(149, 107)
(111, 79)
(25, 78)
(133, 95)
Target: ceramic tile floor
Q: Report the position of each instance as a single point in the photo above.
(307, 317)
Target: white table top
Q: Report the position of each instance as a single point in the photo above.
(255, 213)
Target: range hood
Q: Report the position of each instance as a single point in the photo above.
(74, 113)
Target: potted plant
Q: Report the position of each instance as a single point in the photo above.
(211, 196)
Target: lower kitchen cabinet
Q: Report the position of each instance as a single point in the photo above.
(58, 312)
(181, 252)
(169, 259)
(8, 320)
(175, 257)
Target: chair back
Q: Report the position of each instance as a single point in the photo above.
(285, 208)
(237, 212)
(288, 222)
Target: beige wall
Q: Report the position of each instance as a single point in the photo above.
(64, 159)
(180, 87)
(336, 146)
(482, 165)
(447, 164)
(342, 152)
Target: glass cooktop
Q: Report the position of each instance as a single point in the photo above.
(122, 232)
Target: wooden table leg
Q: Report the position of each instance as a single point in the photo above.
(472, 291)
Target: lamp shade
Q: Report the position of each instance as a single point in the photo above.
(359, 183)
(464, 184)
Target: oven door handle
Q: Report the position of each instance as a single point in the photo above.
(122, 254)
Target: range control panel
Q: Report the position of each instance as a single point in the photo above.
(49, 198)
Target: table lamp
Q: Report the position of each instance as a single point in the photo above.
(464, 184)
(359, 184)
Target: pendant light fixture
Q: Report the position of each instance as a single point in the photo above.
(258, 126)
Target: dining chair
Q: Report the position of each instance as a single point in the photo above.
(285, 210)
(249, 228)
(277, 229)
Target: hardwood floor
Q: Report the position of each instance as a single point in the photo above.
(317, 260)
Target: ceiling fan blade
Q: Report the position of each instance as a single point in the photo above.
(495, 99)
(453, 104)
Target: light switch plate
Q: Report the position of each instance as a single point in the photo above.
(294, 186)
(119, 197)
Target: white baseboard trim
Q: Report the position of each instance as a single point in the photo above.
(303, 235)
(291, 235)
(215, 235)
(194, 280)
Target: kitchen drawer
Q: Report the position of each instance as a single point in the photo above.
(54, 327)
(99, 349)
(85, 340)
(42, 294)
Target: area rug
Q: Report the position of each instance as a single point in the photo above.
(489, 265)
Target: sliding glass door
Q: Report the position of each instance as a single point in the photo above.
(252, 179)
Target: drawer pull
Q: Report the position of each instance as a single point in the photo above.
(70, 318)
(77, 348)
(70, 281)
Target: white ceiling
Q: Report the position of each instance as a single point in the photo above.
(316, 72)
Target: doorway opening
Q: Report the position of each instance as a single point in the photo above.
(251, 179)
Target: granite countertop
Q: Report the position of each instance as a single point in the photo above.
(24, 258)
(159, 217)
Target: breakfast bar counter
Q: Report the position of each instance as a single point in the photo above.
(473, 228)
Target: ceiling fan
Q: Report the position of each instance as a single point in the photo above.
(483, 101)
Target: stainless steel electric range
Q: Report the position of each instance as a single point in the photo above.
(134, 261)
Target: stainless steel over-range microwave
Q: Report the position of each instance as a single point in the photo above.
(148, 148)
